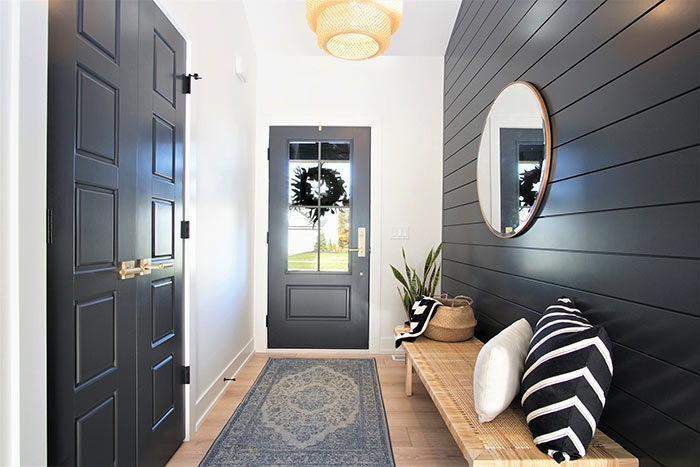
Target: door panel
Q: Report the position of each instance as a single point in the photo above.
(159, 211)
(115, 160)
(91, 196)
(319, 202)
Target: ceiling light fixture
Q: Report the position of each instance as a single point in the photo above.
(354, 29)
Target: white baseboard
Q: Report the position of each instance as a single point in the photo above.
(386, 345)
(216, 389)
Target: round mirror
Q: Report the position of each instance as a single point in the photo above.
(514, 159)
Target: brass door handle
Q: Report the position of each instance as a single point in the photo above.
(361, 240)
(128, 269)
(147, 265)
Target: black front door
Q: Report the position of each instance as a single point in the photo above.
(115, 394)
(318, 292)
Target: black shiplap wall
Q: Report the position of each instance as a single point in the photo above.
(619, 230)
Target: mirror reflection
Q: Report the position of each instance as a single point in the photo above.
(513, 159)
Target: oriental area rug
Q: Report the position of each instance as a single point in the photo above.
(308, 412)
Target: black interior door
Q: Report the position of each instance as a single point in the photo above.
(318, 287)
(159, 212)
(114, 340)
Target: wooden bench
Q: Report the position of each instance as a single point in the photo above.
(447, 370)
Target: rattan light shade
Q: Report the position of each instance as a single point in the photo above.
(354, 29)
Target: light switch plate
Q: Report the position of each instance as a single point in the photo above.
(399, 232)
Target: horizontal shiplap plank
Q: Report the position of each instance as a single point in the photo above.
(675, 178)
(468, 50)
(620, 318)
(666, 440)
(654, 131)
(459, 177)
(662, 78)
(464, 92)
(665, 25)
(666, 283)
(464, 20)
(467, 68)
(460, 196)
(483, 23)
(650, 390)
(639, 231)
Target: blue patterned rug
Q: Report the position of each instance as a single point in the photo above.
(308, 412)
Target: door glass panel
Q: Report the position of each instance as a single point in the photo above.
(335, 184)
(334, 239)
(303, 151)
(319, 206)
(335, 151)
(302, 250)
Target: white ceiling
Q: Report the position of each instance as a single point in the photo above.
(279, 28)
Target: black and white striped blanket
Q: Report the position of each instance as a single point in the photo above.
(421, 312)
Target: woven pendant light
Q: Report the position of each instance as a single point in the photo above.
(354, 29)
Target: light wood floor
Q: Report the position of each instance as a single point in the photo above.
(418, 434)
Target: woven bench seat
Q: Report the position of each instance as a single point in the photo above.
(447, 370)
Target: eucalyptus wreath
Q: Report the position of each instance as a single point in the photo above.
(335, 196)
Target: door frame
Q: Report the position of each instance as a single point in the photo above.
(262, 203)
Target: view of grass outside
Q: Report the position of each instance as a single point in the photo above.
(330, 261)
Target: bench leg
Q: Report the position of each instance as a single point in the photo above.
(409, 376)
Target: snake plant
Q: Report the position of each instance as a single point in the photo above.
(412, 284)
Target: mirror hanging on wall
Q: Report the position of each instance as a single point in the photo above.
(514, 159)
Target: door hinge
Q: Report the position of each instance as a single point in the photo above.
(267, 321)
(187, 83)
(49, 227)
(268, 154)
(185, 229)
(186, 374)
(268, 237)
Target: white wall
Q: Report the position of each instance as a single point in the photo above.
(23, 61)
(401, 99)
(220, 191)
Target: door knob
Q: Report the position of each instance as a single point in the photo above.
(147, 265)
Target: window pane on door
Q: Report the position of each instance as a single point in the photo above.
(334, 239)
(302, 240)
(335, 184)
(335, 151)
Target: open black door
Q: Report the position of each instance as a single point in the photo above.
(115, 389)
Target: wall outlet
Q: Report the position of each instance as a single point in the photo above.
(399, 232)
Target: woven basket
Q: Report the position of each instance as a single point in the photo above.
(453, 321)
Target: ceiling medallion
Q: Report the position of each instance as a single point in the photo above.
(354, 29)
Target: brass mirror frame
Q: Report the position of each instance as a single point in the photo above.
(545, 164)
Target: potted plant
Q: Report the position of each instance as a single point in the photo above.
(412, 284)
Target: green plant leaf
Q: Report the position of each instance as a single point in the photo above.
(428, 263)
(437, 278)
(399, 277)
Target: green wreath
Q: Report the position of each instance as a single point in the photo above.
(335, 195)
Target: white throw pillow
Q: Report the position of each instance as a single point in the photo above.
(499, 368)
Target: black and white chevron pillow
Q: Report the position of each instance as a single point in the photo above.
(568, 370)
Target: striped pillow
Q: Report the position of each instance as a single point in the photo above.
(568, 370)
